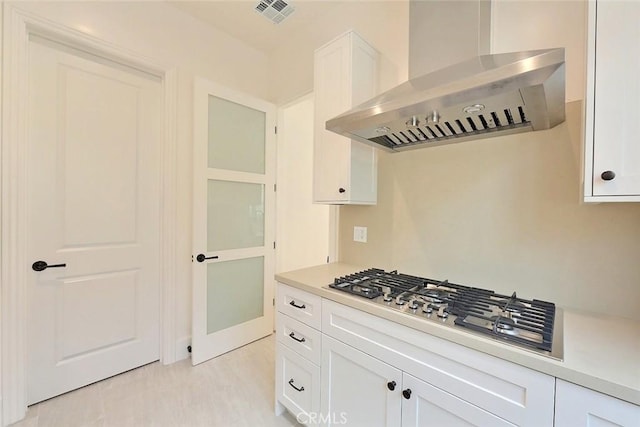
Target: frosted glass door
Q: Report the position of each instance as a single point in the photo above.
(233, 220)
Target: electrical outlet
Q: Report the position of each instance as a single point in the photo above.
(360, 234)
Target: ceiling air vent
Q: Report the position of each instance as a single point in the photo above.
(274, 10)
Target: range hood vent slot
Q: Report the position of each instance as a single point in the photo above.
(480, 125)
(487, 96)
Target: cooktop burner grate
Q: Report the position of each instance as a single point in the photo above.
(525, 323)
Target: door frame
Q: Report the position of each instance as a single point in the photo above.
(17, 26)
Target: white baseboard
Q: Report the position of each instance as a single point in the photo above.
(181, 348)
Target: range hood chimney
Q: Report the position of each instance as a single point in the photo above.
(487, 95)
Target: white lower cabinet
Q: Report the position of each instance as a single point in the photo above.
(424, 405)
(298, 354)
(472, 383)
(297, 383)
(357, 389)
(339, 366)
(577, 406)
(360, 390)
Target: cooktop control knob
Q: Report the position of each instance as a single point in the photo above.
(387, 298)
(427, 308)
(413, 305)
(442, 313)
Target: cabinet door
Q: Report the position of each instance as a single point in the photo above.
(297, 384)
(345, 73)
(332, 93)
(577, 406)
(427, 406)
(357, 389)
(616, 90)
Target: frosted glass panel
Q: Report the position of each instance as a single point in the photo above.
(235, 292)
(236, 136)
(235, 215)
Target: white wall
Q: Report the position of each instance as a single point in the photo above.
(525, 25)
(383, 24)
(169, 36)
(302, 227)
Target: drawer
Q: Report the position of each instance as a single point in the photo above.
(299, 337)
(297, 383)
(300, 305)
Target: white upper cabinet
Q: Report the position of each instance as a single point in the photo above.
(345, 75)
(612, 151)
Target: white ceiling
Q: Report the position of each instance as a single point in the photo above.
(239, 19)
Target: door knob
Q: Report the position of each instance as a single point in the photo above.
(406, 393)
(201, 257)
(391, 385)
(341, 190)
(607, 175)
(42, 265)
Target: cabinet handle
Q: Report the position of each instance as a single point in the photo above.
(391, 385)
(301, 307)
(607, 175)
(294, 387)
(341, 190)
(293, 337)
(406, 393)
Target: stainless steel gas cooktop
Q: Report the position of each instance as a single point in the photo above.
(529, 324)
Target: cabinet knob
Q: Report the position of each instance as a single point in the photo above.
(406, 393)
(607, 175)
(341, 190)
(391, 385)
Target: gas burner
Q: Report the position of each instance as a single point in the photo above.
(437, 295)
(503, 324)
(525, 323)
(364, 290)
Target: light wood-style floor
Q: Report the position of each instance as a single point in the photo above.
(235, 389)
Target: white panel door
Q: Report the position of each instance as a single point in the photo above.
(93, 204)
(234, 218)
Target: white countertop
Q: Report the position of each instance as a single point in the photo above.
(600, 352)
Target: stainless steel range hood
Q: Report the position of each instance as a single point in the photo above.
(486, 96)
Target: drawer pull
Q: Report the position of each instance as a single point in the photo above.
(294, 387)
(406, 393)
(293, 337)
(391, 385)
(301, 307)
